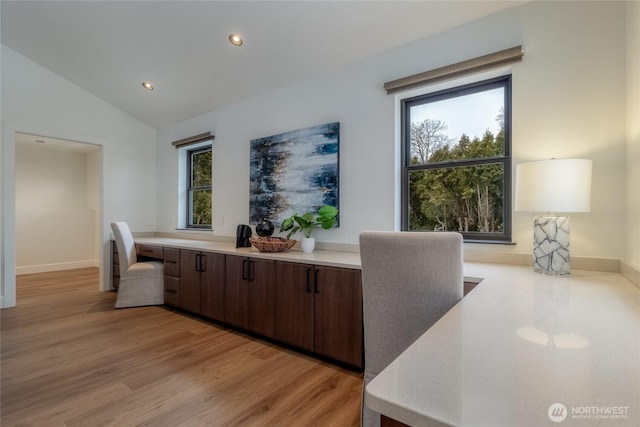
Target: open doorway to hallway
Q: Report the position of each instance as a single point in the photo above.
(58, 194)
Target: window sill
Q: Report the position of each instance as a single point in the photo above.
(194, 229)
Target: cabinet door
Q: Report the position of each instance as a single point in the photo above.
(213, 285)
(237, 291)
(294, 304)
(338, 315)
(190, 283)
(262, 297)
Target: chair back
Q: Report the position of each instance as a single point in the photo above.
(409, 281)
(126, 246)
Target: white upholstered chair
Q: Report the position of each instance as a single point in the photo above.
(409, 281)
(141, 283)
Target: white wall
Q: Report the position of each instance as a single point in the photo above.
(567, 96)
(94, 194)
(55, 214)
(633, 134)
(39, 102)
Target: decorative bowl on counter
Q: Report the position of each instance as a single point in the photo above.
(272, 244)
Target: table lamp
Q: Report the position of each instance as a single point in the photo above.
(555, 185)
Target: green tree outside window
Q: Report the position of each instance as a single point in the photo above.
(199, 191)
(458, 183)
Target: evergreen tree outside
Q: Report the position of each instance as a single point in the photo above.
(200, 196)
(455, 185)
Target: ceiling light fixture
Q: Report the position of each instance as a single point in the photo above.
(235, 39)
(147, 85)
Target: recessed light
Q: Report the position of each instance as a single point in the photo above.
(147, 85)
(235, 39)
(40, 141)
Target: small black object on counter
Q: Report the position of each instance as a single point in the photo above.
(264, 228)
(243, 232)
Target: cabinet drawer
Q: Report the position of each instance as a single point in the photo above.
(171, 291)
(150, 251)
(172, 262)
(114, 253)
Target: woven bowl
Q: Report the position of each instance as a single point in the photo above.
(272, 244)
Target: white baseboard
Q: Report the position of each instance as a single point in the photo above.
(43, 268)
(631, 271)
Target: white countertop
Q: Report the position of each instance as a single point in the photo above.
(326, 258)
(517, 344)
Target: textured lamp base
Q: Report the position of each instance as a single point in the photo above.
(551, 245)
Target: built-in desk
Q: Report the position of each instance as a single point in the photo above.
(310, 301)
(520, 350)
(324, 258)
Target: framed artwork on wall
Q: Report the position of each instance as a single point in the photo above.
(294, 172)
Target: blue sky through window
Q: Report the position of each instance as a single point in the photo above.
(470, 114)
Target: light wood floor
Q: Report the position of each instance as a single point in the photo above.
(69, 359)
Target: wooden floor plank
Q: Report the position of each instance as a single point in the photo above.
(68, 358)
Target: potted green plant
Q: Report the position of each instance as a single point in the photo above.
(326, 218)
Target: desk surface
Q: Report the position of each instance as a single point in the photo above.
(518, 344)
(326, 258)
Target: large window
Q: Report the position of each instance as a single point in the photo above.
(456, 151)
(199, 187)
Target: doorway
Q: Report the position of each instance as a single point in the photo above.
(58, 204)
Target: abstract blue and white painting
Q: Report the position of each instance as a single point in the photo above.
(294, 172)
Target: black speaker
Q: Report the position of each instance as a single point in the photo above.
(243, 232)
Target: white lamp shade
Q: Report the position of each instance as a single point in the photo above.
(555, 185)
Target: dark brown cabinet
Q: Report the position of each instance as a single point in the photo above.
(250, 294)
(312, 307)
(213, 285)
(320, 309)
(172, 276)
(295, 304)
(149, 252)
(201, 285)
(338, 314)
(115, 265)
(191, 267)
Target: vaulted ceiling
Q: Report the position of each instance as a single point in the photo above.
(109, 48)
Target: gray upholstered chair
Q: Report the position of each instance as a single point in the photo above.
(141, 283)
(409, 281)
